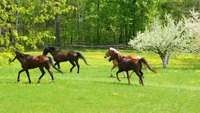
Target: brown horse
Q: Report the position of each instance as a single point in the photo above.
(126, 63)
(30, 62)
(115, 63)
(60, 56)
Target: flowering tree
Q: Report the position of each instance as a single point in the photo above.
(193, 26)
(165, 39)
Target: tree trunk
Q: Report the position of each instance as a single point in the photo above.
(165, 60)
(98, 23)
(58, 42)
(199, 5)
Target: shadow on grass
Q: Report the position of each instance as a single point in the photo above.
(124, 83)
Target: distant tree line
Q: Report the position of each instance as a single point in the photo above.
(31, 24)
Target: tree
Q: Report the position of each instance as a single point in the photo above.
(164, 39)
(30, 24)
(193, 27)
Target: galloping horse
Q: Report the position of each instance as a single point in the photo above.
(115, 63)
(60, 56)
(126, 63)
(30, 62)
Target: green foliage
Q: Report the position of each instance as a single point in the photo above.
(89, 21)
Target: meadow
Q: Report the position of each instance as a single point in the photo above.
(172, 90)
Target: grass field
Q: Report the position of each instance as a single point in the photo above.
(172, 90)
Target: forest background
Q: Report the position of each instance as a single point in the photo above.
(31, 24)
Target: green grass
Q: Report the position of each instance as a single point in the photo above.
(175, 89)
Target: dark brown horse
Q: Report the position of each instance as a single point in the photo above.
(125, 63)
(60, 56)
(30, 62)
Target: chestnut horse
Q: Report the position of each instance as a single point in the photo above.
(126, 63)
(115, 63)
(60, 56)
(30, 62)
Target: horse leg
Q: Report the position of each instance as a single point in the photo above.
(118, 76)
(18, 77)
(29, 80)
(51, 73)
(113, 67)
(140, 78)
(125, 75)
(78, 66)
(43, 72)
(73, 65)
(128, 77)
(141, 73)
(57, 63)
(131, 74)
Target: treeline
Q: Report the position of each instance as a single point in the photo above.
(31, 24)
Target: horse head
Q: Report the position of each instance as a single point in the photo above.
(18, 56)
(113, 56)
(46, 50)
(110, 52)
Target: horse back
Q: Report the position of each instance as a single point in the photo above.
(129, 64)
(35, 61)
(61, 56)
(133, 57)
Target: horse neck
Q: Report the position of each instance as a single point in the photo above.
(21, 57)
(53, 53)
(120, 57)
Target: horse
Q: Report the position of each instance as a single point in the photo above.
(115, 63)
(30, 62)
(60, 56)
(126, 63)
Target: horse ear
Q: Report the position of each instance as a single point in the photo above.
(46, 46)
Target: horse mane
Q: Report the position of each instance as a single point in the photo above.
(52, 48)
(20, 54)
(113, 49)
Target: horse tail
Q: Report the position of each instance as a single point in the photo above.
(51, 63)
(82, 57)
(143, 61)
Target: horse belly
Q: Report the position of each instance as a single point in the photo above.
(62, 58)
(29, 66)
(40, 62)
(126, 66)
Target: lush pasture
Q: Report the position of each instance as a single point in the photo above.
(176, 89)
